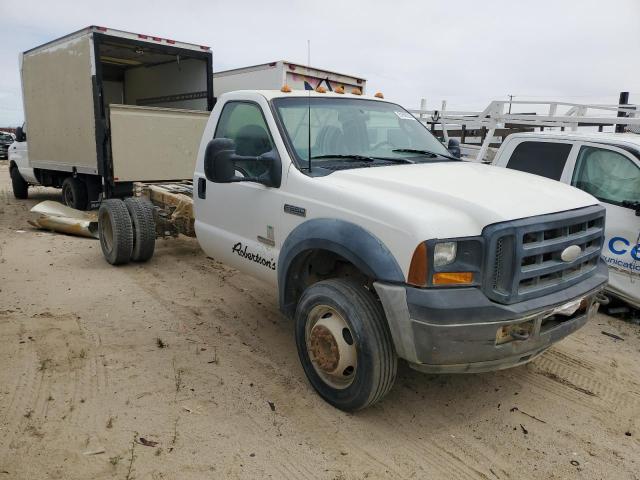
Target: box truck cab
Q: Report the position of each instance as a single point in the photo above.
(606, 165)
(383, 246)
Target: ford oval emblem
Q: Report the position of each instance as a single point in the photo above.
(570, 253)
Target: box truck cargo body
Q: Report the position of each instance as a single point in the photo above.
(274, 75)
(106, 108)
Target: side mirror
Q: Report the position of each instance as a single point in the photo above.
(220, 160)
(454, 147)
(218, 167)
(20, 135)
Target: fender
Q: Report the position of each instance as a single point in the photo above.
(367, 252)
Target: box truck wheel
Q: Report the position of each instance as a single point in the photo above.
(144, 228)
(74, 193)
(20, 187)
(344, 344)
(115, 231)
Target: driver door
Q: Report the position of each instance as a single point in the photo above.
(240, 217)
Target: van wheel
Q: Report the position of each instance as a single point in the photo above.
(144, 228)
(20, 187)
(115, 231)
(74, 193)
(344, 344)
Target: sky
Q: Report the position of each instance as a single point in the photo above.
(465, 52)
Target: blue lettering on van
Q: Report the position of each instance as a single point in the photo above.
(615, 247)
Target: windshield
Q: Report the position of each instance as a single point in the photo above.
(346, 129)
(5, 137)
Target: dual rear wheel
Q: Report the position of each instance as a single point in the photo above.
(127, 230)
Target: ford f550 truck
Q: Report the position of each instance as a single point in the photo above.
(381, 245)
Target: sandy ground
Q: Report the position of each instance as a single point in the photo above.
(83, 371)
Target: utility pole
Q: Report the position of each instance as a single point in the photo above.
(624, 100)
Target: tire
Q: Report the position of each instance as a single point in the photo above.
(144, 228)
(74, 193)
(20, 187)
(115, 231)
(370, 359)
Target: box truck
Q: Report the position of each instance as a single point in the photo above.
(105, 108)
(275, 75)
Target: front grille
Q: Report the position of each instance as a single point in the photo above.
(524, 256)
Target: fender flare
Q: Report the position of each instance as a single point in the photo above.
(362, 248)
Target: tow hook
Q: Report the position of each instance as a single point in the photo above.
(516, 332)
(519, 334)
(602, 299)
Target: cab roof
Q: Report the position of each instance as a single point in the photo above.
(631, 139)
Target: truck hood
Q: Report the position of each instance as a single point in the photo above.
(466, 196)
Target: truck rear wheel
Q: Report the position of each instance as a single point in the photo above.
(74, 193)
(20, 187)
(144, 228)
(116, 231)
(344, 344)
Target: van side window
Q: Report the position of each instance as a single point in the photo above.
(540, 158)
(244, 123)
(607, 175)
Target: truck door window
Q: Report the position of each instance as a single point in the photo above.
(540, 158)
(244, 123)
(607, 175)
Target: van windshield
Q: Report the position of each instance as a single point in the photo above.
(357, 132)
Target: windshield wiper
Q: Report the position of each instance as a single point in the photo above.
(364, 158)
(423, 152)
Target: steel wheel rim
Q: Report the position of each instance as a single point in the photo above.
(331, 347)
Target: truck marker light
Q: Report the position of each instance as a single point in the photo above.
(453, 278)
(339, 89)
(321, 89)
(102, 29)
(144, 37)
(156, 39)
(172, 42)
(379, 95)
(356, 91)
(418, 268)
(285, 88)
(204, 47)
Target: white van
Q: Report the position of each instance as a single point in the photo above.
(606, 165)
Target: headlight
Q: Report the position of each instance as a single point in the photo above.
(444, 253)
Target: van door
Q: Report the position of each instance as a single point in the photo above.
(238, 219)
(612, 175)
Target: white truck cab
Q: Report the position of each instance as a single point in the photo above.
(606, 165)
(382, 245)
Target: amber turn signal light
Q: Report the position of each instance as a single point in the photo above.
(453, 278)
(418, 268)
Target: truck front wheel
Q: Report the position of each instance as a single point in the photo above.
(74, 193)
(20, 187)
(344, 344)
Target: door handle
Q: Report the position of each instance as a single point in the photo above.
(202, 188)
